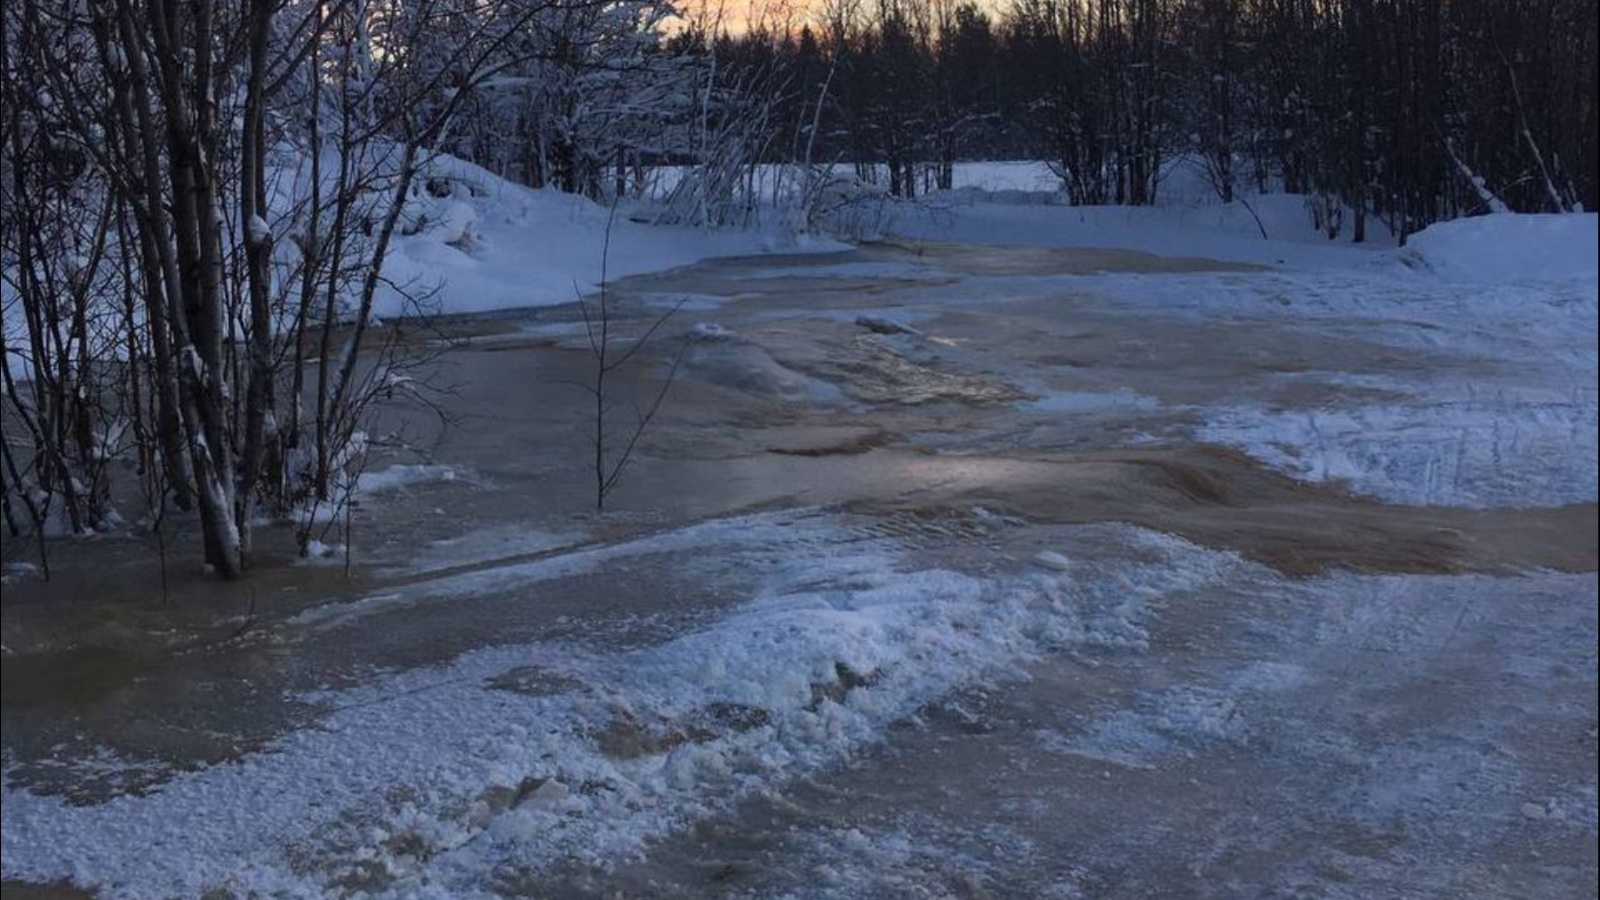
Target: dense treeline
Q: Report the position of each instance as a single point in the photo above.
(1411, 111)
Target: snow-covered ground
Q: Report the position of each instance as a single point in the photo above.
(1200, 228)
(1504, 247)
(917, 672)
(493, 244)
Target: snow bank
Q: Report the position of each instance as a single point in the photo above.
(478, 242)
(1509, 247)
(1194, 227)
(438, 782)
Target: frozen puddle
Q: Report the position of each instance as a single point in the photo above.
(467, 777)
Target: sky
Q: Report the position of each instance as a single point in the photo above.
(737, 14)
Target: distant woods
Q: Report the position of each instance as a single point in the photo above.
(199, 195)
(1407, 111)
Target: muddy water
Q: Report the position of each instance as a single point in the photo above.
(1011, 389)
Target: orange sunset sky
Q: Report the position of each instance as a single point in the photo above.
(736, 15)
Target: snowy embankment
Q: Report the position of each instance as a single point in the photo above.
(439, 782)
(1509, 248)
(1020, 205)
(1199, 229)
(470, 242)
(479, 243)
(473, 242)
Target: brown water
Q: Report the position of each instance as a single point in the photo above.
(805, 408)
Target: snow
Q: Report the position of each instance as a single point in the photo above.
(258, 230)
(1019, 205)
(402, 780)
(405, 778)
(1172, 720)
(1492, 451)
(995, 176)
(1188, 220)
(1050, 559)
(398, 477)
(710, 331)
(1509, 247)
(1501, 428)
(1206, 229)
(1006, 175)
(492, 244)
(1369, 728)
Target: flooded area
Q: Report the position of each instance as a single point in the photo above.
(974, 572)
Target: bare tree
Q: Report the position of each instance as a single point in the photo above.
(613, 442)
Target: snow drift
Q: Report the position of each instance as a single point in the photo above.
(1508, 247)
(478, 242)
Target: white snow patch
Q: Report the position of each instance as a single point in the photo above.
(1050, 559)
(397, 477)
(1496, 451)
(1177, 720)
(1509, 247)
(493, 244)
(710, 331)
(1267, 676)
(1187, 227)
